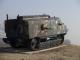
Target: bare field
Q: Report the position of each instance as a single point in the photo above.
(69, 52)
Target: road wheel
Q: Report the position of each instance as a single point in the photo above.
(60, 40)
(34, 44)
(15, 44)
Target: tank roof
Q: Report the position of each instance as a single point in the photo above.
(35, 16)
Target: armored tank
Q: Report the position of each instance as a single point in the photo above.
(30, 31)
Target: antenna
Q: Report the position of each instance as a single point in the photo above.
(7, 16)
(17, 15)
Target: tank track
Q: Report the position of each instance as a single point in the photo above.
(45, 45)
(49, 44)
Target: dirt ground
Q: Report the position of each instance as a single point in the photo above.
(69, 52)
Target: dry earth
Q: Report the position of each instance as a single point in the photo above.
(69, 52)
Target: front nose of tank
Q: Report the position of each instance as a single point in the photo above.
(65, 29)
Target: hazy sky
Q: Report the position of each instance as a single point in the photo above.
(67, 10)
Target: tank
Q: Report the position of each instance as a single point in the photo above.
(30, 31)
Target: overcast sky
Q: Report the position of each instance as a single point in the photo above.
(67, 10)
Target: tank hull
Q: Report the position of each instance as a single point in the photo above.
(31, 31)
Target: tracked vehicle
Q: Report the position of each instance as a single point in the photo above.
(30, 31)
